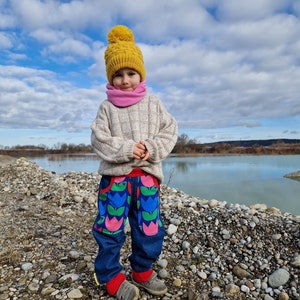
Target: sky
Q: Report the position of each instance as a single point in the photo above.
(225, 69)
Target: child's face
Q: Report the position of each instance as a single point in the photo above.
(126, 79)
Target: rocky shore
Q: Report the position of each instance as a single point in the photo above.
(294, 175)
(212, 249)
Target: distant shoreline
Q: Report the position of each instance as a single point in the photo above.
(209, 151)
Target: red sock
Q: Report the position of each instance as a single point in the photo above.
(141, 276)
(113, 285)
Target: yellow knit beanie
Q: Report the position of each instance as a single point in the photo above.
(122, 52)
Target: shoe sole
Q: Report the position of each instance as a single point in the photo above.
(153, 292)
(136, 297)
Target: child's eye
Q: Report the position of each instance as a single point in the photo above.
(117, 75)
(131, 73)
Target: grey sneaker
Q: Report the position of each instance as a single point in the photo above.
(127, 291)
(153, 286)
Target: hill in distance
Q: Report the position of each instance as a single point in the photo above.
(251, 143)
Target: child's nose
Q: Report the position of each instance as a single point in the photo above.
(125, 79)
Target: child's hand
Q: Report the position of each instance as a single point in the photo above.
(146, 154)
(140, 151)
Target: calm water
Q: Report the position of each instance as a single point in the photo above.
(235, 179)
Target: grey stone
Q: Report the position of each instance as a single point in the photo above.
(278, 278)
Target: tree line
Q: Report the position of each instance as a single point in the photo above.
(184, 146)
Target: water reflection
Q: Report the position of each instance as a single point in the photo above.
(74, 157)
(237, 179)
(182, 167)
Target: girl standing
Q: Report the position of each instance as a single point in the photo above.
(132, 134)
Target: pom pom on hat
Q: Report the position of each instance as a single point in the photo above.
(120, 33)
(122, 52)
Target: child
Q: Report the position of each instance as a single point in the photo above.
(131, 134)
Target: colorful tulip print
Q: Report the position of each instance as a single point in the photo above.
(151, 229)
(123, 193)
(113, 224)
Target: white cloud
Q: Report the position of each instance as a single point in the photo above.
(48, 35)
(5, 41)
(35, 99)
(71, 47)
(215, 64)
(69, 16)
(250, 10)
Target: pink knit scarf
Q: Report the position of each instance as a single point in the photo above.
(124, 98)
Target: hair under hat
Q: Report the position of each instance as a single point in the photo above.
(122, 52)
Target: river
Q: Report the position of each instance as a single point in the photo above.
(235, 179)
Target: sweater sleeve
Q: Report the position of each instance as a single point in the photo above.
(161, 145)
(109, 148)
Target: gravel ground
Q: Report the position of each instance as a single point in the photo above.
(212, 250)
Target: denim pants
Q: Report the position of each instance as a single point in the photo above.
(135, 198)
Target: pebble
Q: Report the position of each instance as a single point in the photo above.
(27, 266)
(283, 296)
(33, 287)
(47, 291)
(278, 278)
(233, 289)
(180, 268)
(252, 224)
(51, 278)
(175, 221)
(186, 245)
(162, 263)
(213, 203)
(177, 282)
(202, 275)
(240, 272)
(213, 249)
(257, 283)
(245, 289)
(195, 249)
(276, 236)
(296, 261)
(216, 292)
(172, 229)
(74, 254)
(68, 277)
(75, 294)
(264, 286)
(163, 273)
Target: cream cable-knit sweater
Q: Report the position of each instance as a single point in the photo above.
(116, 130)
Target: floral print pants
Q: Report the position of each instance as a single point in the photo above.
(136, 199)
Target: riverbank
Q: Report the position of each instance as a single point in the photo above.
(212, 250)
(294, 175)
